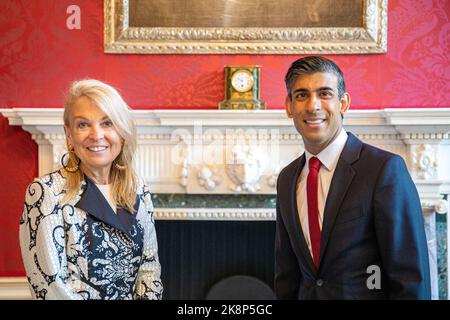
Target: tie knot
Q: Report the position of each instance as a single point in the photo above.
(314, 163)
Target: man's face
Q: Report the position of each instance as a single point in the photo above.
(316, 109)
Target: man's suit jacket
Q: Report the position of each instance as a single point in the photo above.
(372, 217)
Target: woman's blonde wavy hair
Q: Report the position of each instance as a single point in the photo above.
(124, 180)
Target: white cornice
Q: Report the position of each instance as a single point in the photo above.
(14, 288)
(417, 116)
(34, 116)
(238, 118)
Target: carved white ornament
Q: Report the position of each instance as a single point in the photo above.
(58, 151)
(184, 174)
(246, 168)
(441, 206)
(208, 177)
(425, 161)
(272, 179)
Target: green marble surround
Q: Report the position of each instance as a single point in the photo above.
(163, 200)
(442, 247)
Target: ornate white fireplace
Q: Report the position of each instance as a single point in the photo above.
(241, 152)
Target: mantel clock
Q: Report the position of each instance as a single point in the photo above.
(242, 88)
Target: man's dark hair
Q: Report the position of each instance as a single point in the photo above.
(313, 64)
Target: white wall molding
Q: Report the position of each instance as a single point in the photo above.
(217, 214)
(14, 288)
(242, 151)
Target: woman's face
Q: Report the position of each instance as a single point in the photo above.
(93, 136)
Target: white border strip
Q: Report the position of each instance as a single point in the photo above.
(213, 214)
(14, 288)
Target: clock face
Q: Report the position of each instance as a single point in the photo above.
(242, 81)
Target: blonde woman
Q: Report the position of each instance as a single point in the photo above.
(87, 230)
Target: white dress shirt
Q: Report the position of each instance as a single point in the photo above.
(329, 158)
(106, 191)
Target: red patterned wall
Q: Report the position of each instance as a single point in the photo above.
(39, 57)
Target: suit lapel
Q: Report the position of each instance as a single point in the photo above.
(342, 178)
(298, 232)
(93, 202)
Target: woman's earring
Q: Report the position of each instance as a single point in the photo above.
(71, 154)
(119, 166)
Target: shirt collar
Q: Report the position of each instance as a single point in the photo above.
(330, 155)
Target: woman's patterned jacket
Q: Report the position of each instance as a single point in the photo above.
(83, 249)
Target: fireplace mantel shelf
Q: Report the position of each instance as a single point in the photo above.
(242, 151)
(417, 117)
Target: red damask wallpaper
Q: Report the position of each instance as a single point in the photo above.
(39, 57)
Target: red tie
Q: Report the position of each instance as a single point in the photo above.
(313, 208)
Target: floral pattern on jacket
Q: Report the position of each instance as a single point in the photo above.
(82, 249)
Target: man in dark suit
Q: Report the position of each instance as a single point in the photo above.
(349, 219)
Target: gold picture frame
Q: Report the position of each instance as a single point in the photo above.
(120, 37)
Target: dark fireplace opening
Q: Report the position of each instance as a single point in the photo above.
(196, 256)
